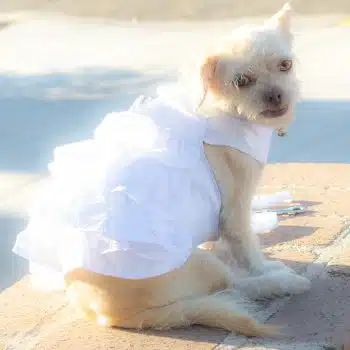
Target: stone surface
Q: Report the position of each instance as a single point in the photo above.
(24, 312)
(320, 177)
(33, 320)
(320, 316)
(65, 334)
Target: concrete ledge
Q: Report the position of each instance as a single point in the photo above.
(33, 320)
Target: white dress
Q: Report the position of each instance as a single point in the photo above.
(135, 199)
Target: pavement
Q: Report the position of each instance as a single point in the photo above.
(59, 77)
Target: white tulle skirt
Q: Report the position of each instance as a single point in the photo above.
(131, 202)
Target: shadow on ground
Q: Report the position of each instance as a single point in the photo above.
(320, 316)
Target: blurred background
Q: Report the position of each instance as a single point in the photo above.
(173, 9)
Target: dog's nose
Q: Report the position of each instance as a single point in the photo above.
(273, 97)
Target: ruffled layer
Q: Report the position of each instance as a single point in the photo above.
(121, 203)
(46, 279)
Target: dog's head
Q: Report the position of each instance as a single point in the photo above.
(252, 73)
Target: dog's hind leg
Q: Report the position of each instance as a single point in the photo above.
(196, 293)
(216, 310)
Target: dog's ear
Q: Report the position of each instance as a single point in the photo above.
(282, 20)
(208, 72)
(208, 76)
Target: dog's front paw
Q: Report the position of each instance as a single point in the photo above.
(273, 284)
(270, 265)
(267, 266)
(287, 282)
(278, 282)
(284, 280)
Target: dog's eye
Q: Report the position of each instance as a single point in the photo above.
(285, 65)
(243, 80)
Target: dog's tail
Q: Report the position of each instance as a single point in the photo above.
(216, 310)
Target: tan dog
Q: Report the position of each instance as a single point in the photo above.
(251, 75)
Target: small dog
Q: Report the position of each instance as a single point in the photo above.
(250, 79)
(251, 76)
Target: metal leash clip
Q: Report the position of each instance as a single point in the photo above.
(291, 211)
